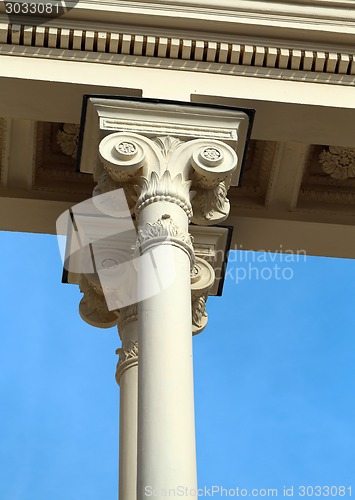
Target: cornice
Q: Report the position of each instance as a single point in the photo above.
(249, 58)
(317, 18)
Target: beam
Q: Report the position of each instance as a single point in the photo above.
(286, 111)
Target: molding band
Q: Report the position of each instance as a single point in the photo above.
(128, 357)
(244, 53)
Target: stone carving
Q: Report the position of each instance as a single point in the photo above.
(127, 149)
(122, 155)
(213, 165)
(167, 145)
(199, 313)
(339, 197)
(128, 356)
(112, 204)
(202, 279)
(212, 156)
(93, 308)
(338, 162)
(165, 229)
(165, 168)
(105, 184)
(126, 315)
(67, 139)
(164, 188)
(209, 204)
(129, 352)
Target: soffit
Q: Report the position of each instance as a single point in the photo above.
(290, 181)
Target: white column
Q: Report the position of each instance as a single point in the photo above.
(166, 424)
(157, 175)
(127, 379)
(174, 168)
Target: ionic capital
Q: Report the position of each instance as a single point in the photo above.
(194, 174)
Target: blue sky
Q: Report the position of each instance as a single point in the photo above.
(274, 380)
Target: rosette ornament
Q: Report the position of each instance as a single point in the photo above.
(338, 162)
(213, 163)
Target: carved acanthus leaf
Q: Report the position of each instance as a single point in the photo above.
(93, 308)
(67, 139)
(130, 351)
(199, 313)
(118, 175)
(126, 315)
(128, 356)
(338, 162)
(164, 229)
(113, 202)
(164, 188)
(211, 204)
(202, 279)
(167, 145)
(213, 164)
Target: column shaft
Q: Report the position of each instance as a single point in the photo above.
(166, 427)
(127, 377)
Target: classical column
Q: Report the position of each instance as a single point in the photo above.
(127, 379)
(164, 170)
(176, 392)
(167, 165)
(93, 310)
(166, 442)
